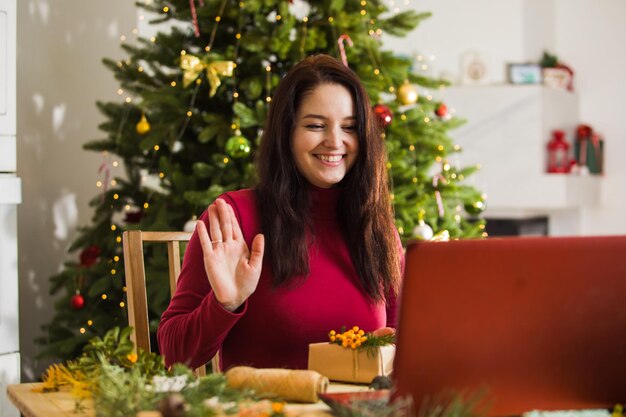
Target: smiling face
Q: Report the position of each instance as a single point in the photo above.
(325, 141)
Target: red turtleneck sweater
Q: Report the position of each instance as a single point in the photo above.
(273, 328)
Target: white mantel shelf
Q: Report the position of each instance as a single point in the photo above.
(507, 132)
(546, 194)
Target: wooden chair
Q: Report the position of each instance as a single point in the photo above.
(137, 298)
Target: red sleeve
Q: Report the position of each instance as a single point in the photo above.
(392, 311)
(393, 300)
(195, 324)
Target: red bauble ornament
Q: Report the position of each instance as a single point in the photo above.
(89, 255)
(133, 216)
(584, 131)
(78, 301)
(442, 110)
(384, 115)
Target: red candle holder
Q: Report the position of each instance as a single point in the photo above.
(558, 153)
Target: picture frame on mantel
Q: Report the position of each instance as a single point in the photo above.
(524, 73)
(474, 69)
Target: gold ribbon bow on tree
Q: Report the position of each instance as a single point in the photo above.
(193, 66)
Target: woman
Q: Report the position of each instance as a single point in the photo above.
(324, 252)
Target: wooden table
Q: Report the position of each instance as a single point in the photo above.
(62, 403)
(51, 404)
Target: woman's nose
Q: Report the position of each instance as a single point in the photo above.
(333, 138)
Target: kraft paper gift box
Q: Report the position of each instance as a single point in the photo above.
(338, 363)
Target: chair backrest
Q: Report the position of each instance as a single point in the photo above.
(134, 268)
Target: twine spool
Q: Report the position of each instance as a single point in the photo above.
(290, 385)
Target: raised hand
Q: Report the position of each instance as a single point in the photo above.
(232, 270)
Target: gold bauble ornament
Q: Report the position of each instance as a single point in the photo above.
(407, 93)
(143, 126)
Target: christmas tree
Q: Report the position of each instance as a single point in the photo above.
(192, 108)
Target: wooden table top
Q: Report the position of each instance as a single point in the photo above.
(63, 404)
(51, 404)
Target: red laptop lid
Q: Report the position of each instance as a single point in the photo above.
(539, 322)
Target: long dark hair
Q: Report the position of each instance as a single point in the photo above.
(364, 207)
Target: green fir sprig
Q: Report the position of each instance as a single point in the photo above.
(116, 349)
(122, 382)
(122, 393)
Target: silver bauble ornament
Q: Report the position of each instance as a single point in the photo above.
(423, 231)
(190, 225)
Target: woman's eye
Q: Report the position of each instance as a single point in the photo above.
(315, 126)
(349, 128)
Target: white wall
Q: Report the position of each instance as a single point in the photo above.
(492, 28)
(61, 43)
(591, 35)
(60, 76)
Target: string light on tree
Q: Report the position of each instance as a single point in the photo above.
(457, 216)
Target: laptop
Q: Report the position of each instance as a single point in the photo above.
(537, 323)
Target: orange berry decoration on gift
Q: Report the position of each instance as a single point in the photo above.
(353, 338)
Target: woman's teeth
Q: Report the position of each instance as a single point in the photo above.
(329, 158)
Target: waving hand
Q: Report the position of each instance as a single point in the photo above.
(232, 270)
